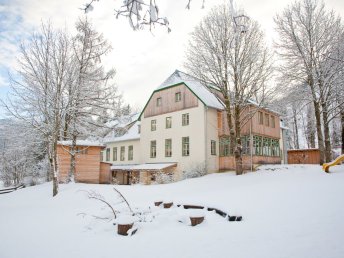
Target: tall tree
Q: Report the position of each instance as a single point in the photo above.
(308, 34)
(39, 85)
(235, 60)
(90, 96)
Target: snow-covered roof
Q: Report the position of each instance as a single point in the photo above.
(201, 91)
(82, 143)
(147, 166)
(131, 134)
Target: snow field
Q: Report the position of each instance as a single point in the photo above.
(288, 211)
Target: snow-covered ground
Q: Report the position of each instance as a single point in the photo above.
(288, 211)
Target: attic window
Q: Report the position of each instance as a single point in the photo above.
(158, 102)
(178, 96)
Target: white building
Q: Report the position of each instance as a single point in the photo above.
(180, 130)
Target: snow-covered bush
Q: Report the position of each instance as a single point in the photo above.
(196, 170)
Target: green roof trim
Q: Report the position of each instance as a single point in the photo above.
(164, 88)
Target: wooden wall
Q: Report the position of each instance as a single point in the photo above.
(228, 162)
(307, 156)
(105, 176)
(87, 165)
(188, 100)
(247, 114)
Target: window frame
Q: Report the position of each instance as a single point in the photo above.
(267, 120)
(185, 146)
(122, 153)
(185, 119)
(260, 118)
(153, 149)
(273, 121)
(107, 154)
(114, 154)
(213, 147)
(178, 96)
(168, 148)
(159, 102)
(168, 124)
(130, 152)
(153, 125)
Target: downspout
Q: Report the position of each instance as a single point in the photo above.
(251, 138)
(206, 138)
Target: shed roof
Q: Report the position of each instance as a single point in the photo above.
(82, 143)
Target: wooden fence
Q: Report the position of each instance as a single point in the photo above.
(11, 189)
(306, 156)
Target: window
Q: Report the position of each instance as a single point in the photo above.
(272, 121)
(168, 148)
(178, 96)
(213, 147)
(257, 145)
(139, 128)
(185, 119)
(114, 157)
(168, 122)
(275, 150)
(108, 154)
(101, 156)
(158, 102)
(266, 146)
(267, 119)
(185, 146)
(260, 117)
(122, 153)
(245, 143)
(153, 149)
(224, 146)
(130, 152)
(153, 125)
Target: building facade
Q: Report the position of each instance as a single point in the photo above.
(183, 128)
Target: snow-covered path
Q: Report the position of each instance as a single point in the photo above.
(293, 211)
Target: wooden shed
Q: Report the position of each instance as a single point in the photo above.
(305, 156)
(88, 168)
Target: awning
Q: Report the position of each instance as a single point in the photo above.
(146, 166)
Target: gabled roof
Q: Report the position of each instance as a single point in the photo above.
(194, 85)
(131, 134)
(197, 88)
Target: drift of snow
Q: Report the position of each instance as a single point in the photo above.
(288, 211)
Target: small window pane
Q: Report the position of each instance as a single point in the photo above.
(178, 97)
(130, 152)
(122, 153)
(153, 125)
(185, 119)
(168, 122)
(153, 149)
(213, 147)
(168, 148)
(114, 157)
(185, 146)
(158, 102)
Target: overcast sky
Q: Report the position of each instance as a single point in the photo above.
(142, 59)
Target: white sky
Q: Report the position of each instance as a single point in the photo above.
(142, 60)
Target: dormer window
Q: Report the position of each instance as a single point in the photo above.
(158, 102)
(178, 96)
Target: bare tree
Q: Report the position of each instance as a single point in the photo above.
(90, 96)
(38, 88)
(308, 37)
(237, 63)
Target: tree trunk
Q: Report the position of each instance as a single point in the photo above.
(296, 130)
(238, 147)
(71, 173)
(319, 131)
(328, 149)
(342, 122)
(53, 153)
